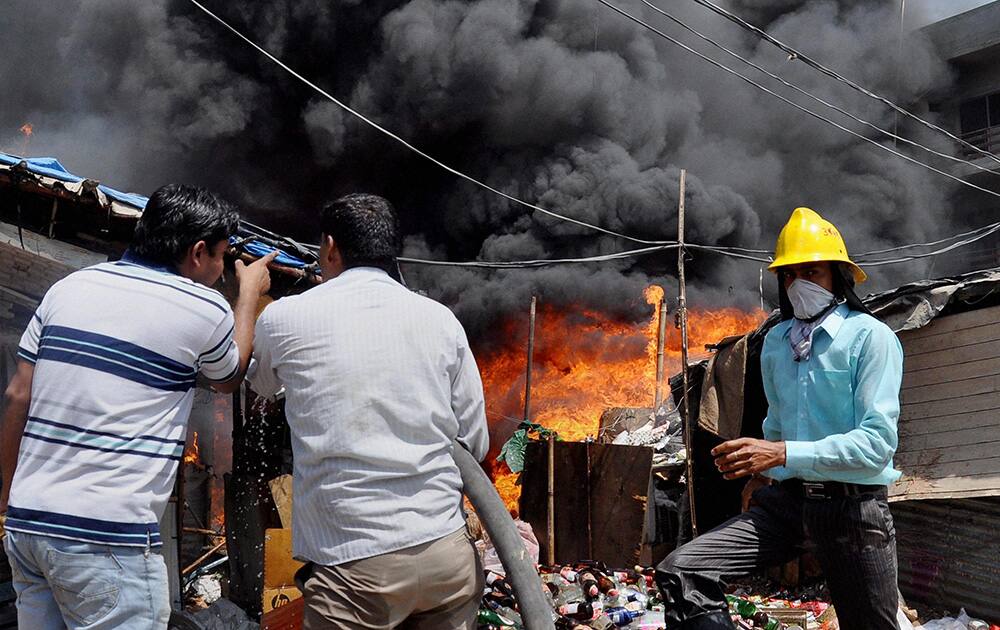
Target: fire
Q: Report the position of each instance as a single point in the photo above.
(585, 362)
(26, 129)
(191, 456)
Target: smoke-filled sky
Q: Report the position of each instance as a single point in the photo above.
(560, 102)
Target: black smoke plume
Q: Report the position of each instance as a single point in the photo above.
(560, 102)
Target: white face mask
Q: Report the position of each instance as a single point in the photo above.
(808, 299)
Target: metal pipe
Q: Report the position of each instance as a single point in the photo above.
(520, 568)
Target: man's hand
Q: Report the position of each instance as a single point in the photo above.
(747, 456)
(754, 484)
(254, 279)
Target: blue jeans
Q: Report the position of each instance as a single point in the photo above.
(65, 584)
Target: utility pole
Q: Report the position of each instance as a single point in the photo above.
(682, 313)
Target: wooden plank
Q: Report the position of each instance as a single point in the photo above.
(619, 484)
(951, 323)
(965, 337)
(937, 408)
(570, 498)
(279, 566)
(958, 371)
(909, 462)
(949, 439)
(967, 468)
(281, 491)
(898, 495)
(288, 617)
(975, 485)
(950, 356)
(947, 391)
(943, 424)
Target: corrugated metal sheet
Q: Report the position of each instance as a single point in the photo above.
(949, 554)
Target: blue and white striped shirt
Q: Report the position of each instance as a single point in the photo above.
(117, 348)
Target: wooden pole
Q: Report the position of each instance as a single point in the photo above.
(550, 526)
(531, 360)
(682, 311)
(194, 565)
(660, 338)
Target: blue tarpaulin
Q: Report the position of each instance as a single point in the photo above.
(50, 167)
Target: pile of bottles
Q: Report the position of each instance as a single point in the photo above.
(748, 616)
(583, 595)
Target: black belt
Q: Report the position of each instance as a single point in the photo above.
(828, 489)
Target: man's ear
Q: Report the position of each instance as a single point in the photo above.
(332, 251)
(198, 252)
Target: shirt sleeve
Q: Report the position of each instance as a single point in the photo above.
(27, 349)
(772, 429)
(261, 374)
(869, 447)
(467, 399)
(221, 359)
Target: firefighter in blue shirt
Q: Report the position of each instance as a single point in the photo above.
(818, 480)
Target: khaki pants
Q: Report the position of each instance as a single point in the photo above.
(433, 586)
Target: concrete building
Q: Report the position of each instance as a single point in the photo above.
(970, 42)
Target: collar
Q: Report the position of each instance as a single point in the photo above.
(130, 257)
(831, 323)
(360, 272)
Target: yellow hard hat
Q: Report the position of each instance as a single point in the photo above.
(808, 237)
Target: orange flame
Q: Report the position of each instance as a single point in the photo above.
(191, 456)
(27, 129)
(586, 362)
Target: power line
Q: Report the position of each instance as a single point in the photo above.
(525, 264)
(796, 54)
(747, 79)
(988, 228)
(411, 147)
(810, 95)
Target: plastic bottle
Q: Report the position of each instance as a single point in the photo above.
(498, 582)
(568, 574)
(622, 617)
(589, 584)
(607, 586)
(492, 618)
(583, 611)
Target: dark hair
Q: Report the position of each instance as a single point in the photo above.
(176, 217)
(366, 230)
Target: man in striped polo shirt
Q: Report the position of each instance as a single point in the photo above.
(96, 415)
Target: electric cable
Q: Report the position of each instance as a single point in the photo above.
(812, 96)
(747, 79)
(797, 54)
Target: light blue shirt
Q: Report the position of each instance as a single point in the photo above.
(837, 410)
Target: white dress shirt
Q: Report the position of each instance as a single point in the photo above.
(378, 382)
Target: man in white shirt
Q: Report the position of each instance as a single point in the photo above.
(96, 415)
(378, 382)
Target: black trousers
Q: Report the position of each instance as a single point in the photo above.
(852, 537)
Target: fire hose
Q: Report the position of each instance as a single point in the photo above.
(535, 610)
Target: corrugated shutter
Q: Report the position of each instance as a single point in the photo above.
(949, 554)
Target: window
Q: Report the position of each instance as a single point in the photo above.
(979, 120)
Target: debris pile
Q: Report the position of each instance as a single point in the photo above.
(663, 431)
(582, 595)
